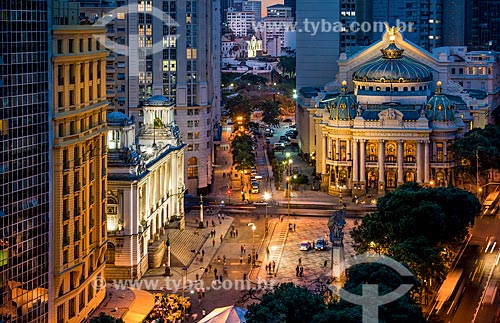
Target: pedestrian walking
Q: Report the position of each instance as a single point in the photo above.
(274, 265)
(213, 223)
(218, 259)
(294, 227)
(203, 252)
(236, 232)
(215, 273)
(301, 273)
(241, 260)
(325, 263)
(244, 249)
(213, 242)
(224, 259)
(300, 261)
(221, 238)
(241, 248)
(203, 292)
(267, 252)
(297, 270)
(207, 223)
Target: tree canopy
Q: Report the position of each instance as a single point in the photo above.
(241, 149)
(271, 112)
(485, 142)
(412, 224)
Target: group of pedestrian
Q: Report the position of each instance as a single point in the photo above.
(233, 233)
(299, 271)
(292, 227)
(271, 267)
(243, 249)
(212, 233)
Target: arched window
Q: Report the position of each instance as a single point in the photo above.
(110, 254)
(112, 215)
(192, 167)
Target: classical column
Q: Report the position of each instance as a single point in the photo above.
(337, 149)
(381, 162)
(66, 84)
(427, 162)
(400, 162)
(103, 78)
(329, 147)
(355, 162)
(362, 161)
(348, 144)
(323, 153)
(420, 162)
(86, 68)
(94, 79)
(445, 152)
(78, 98)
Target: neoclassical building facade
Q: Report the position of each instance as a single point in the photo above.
(392, 121)
(145, 188)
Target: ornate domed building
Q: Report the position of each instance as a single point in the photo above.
(392, 121)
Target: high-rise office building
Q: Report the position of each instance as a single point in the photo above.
(176, 58)
(24, 160)
(291, 4)
(317, 52)
(255, 7)
(80, 165)
(482, 30)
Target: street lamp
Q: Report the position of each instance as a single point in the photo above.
(267, 196)
(290, 166)
(252, 225)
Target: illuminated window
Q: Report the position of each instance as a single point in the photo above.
(192, 167)
(121, 15)
(4, 127)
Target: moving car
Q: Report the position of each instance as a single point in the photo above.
(320, 244)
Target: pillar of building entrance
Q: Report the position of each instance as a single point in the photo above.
(362, 166)
(381, 167)
(400, 162)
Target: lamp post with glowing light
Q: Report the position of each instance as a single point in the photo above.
(267, 196)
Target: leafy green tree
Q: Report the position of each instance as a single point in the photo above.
(104, 318)
(271, 112)
(286, 303)
(413, 224)
(239, 105)
(483, 142)
(241, 149)
(288, 66)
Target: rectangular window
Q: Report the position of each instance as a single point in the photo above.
(190, 147)
(59, 46)
(190, 135)
(89, 44)
(192, 172)
(71, 46)
(60, 314)
(190, 112)
(121, 16)
(196, 123)
(196, 147)
(196, 135)
(80, 45)
(72, 307)
(190, 123)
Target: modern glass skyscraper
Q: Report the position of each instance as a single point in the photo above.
(24, 160)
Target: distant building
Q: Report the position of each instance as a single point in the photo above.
(477, 73)
(391, 121)
(241, 23)
(291, 4)
(145, 188)
(278, 21)
(255, 7)
(254, 47)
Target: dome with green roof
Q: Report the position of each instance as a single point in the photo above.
(439, 107)
(344, 106)
(392, 67)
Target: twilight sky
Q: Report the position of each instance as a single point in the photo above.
(266, 3)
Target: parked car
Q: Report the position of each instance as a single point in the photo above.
(305, 246)
(320, 244)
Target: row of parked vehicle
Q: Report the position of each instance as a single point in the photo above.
(320, 244)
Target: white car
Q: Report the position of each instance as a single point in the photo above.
(492, 243)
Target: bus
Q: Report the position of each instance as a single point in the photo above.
(490, 203)
(490, 293)
(451, 291)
